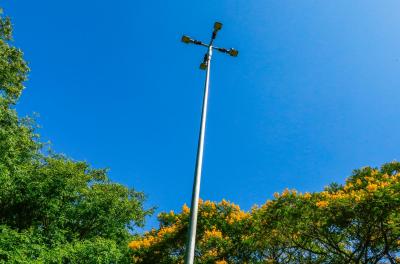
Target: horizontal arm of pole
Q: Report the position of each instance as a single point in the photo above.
(198, 42)
(223, 50)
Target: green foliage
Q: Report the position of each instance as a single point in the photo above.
(54, 209)
(358, 222)
(29, 246)
(223, 234)
(13, 68)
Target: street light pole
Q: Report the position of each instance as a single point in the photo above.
(205, 65)
(191, 243)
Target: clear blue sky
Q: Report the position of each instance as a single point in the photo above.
(313, 95)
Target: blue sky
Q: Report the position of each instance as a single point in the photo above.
(313, 94)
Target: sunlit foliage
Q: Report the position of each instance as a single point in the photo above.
(54, 209)
(358, 222)
(223, 234)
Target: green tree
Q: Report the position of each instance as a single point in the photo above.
(223, 236)
(358, 222)
(355, 223)
(54, 209)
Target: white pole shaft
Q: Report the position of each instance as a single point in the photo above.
(191, 242)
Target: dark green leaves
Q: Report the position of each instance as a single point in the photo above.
(54, 209)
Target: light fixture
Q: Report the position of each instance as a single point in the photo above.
(205, 65)
(233, 52)
(217, 26)
(186, 39)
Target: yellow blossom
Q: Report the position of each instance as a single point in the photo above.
(166, 230)
(145, 242)
(372, 187)
(322, 204)
(236, 216)
(213, 252)
(348, 186)
(369, 179)
(267, 203)
(325, 194)
(338, 195)
(286, 192)
(134, 244)
(205, 214)
(210, 204)
(384, 184)
(224, 203)
(213, 233)
(185, 209)
(235, 206)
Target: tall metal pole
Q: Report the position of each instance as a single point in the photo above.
(191, 242)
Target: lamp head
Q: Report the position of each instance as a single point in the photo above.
(233, 52)
(203, 66)
(217, 26)
(186, 39)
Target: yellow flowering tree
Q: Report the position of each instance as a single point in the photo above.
(355, 223)
(223, 236)
(358, 222)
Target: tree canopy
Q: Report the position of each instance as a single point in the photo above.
(57, 210)
(54, 209)
(358, 222)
